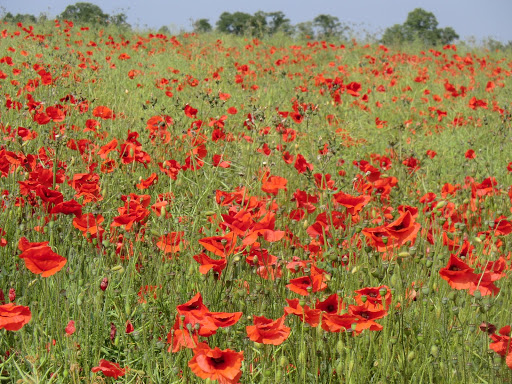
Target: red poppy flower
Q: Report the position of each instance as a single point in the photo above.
(365, 317)
(208, 263)
(224, 319)
(216, 364)
(301, 165)
(70, 328)
(332, 322)
(221, 246)
(372, 297)
(431, 153)
(190, 111)
(403, 229)
(90, 226)
(268, 331)
(273, 184)
(146, 183)
(306, 284)
(501, 344)
(107, 148)
(170, 243)
(354, 204)
(306, 314)
(39, 258)
(333, 304)
(470, 154)
(109, 369)
(103, 112)
(68, 208)
(14, 317)
(193, 311)
(180, 337)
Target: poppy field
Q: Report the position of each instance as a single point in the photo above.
(186, 209)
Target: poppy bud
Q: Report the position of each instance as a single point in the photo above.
(129, 327)
(12, 295)
(487, 327)
(104, 284)
(2, 297)
(113, 331)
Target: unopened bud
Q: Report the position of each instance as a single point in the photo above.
(104, 284)
(12, 295)
(113, 331)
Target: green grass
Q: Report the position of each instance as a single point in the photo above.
(434, 338)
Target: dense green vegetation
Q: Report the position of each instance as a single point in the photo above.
(224, 207)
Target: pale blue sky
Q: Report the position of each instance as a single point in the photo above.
(477, 18)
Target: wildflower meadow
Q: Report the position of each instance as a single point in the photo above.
(214, 208)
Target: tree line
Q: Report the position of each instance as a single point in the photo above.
(420, 25)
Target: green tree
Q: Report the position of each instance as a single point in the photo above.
(19, 18)
(236, 23)
(277, 22)
(257, 24)
(202, 26)
(395, 35)
(328, 26)
(447, 35)
(420, 25)
(85, 13)
(305, 29)
(119, 20)
(164, 30)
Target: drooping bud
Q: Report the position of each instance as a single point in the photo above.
(12, 294)
(129, 327)
(104, 284)
(113, 331)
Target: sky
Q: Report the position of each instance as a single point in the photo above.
(471, 19)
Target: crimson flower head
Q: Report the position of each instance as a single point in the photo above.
(14, 317)
(39, 258)
(109, 369)
(268, 331)
(70, 328)
(216, 364)
(470, 154)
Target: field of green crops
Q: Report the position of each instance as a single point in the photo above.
(187, 209)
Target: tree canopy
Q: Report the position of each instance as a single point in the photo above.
(420, 25)
(89, 13)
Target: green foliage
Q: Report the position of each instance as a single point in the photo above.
(277, 22)
(420, 25)
(164, 30)
(19, 18)
(495, 45)
(328, 26)
(430, 332)
(119, 19)
(305, 30)
(202, 26)
(82, 12)
(87, 13)
(234, 23)
(260, 24)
